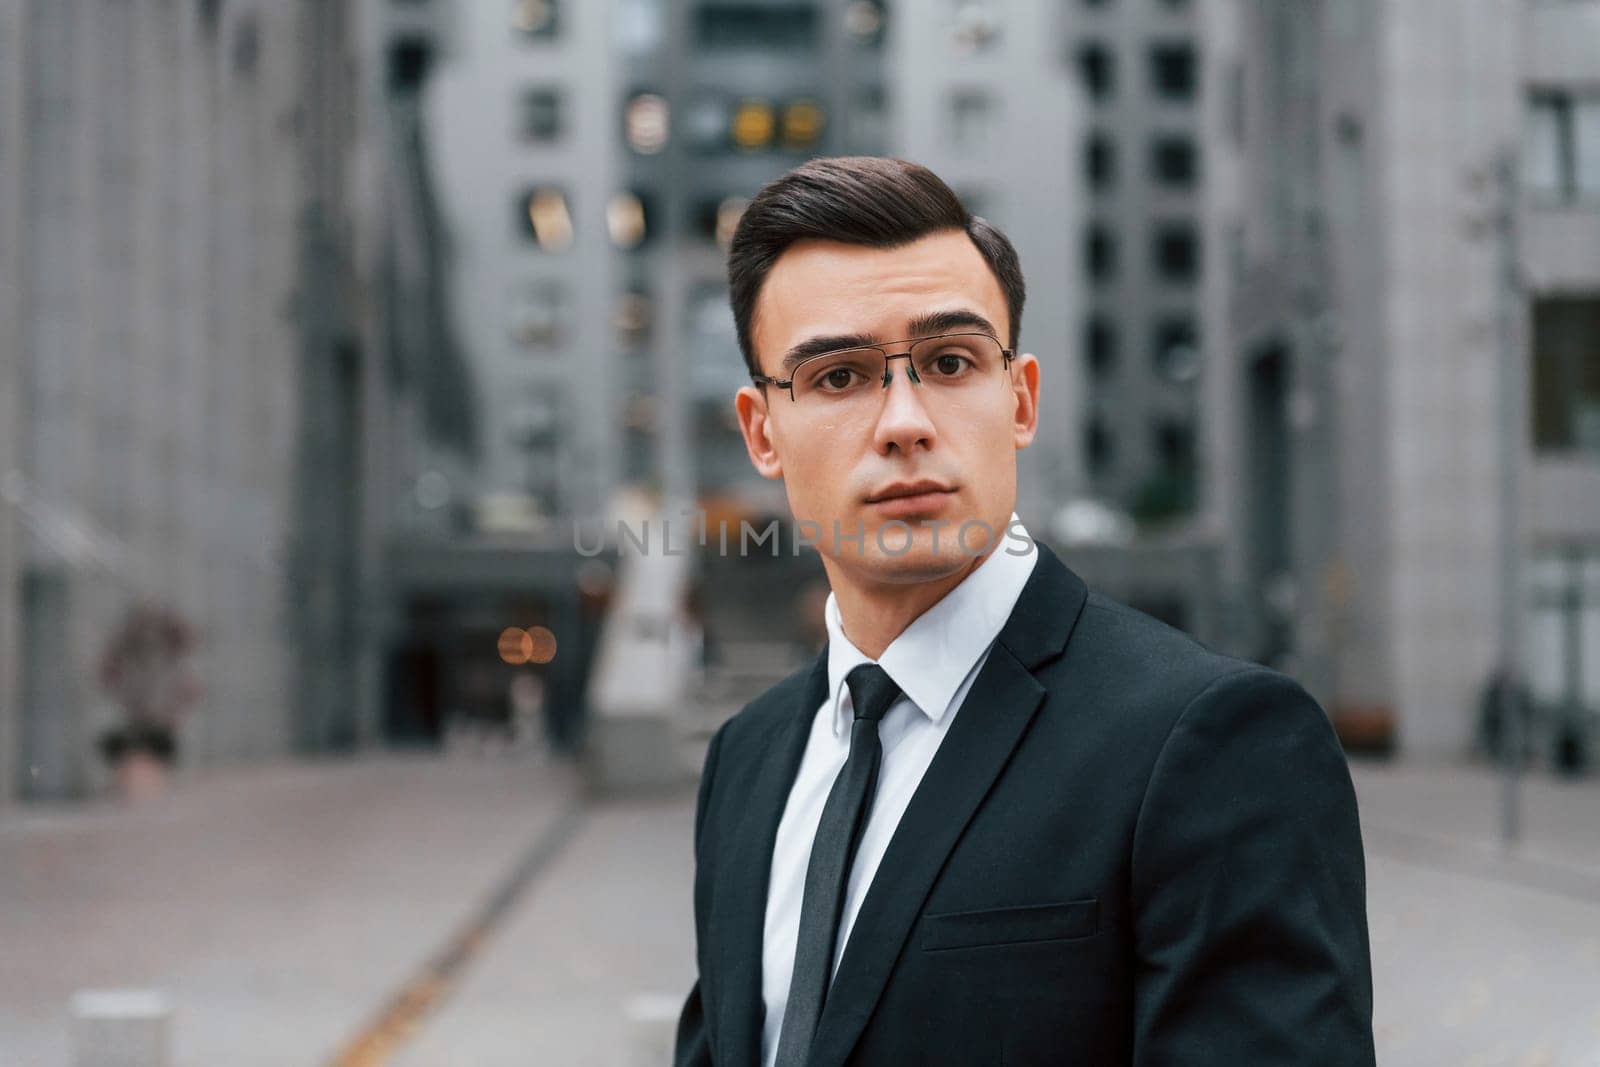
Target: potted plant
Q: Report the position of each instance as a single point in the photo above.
(145, 670)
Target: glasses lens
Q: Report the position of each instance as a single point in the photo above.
(839, 376)
(959, 360)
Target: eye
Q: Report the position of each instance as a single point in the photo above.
(836, 379)
(949, 364)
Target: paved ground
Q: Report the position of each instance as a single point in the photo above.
(282, 908)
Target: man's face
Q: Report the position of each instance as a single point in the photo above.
(849, 470)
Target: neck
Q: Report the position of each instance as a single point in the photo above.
(874, 613)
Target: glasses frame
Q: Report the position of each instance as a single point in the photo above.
(1007, 355)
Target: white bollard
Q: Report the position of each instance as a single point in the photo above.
(652, 1028)
(121, 1028)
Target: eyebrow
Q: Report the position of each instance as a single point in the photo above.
(935, 322)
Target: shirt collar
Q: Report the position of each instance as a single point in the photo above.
(932, 657)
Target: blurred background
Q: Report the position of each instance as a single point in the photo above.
(350, 348)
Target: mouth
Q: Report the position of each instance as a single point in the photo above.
(910, 498)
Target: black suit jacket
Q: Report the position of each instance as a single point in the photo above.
(1128, 849)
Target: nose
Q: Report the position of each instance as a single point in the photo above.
(903, 422)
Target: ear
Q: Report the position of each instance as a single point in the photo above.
(751, 405)
(1025, 388)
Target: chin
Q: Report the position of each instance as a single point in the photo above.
(920, 562)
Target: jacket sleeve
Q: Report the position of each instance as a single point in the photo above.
(1248, 887)
(694, 1038)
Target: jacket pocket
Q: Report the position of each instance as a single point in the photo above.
(1009, 926)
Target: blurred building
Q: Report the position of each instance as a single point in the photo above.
(204, 421)
(1153, 160)
(11, 266)
(1419, 277)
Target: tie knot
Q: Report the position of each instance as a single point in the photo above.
(871, 691)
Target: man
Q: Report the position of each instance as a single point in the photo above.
(1001, 819)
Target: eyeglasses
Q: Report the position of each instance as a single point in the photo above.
(949, 364)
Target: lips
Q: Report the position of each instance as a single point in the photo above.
(906, 499)
(904, 490)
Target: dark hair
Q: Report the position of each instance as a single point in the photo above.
(861, 200)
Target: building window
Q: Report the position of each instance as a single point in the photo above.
(976, 27)
(544, 217)
(539, 315)
(715, 218)
(632, 317)
(1174, 161)
(1099, 447)
(540, 115)
(628, 220)
(754, 124)
(1173, 443)
(706, 123)
(868, 120)
(1100, 253)
(780, 27)
(863, 21)
(1174, 71)
(536, 19)
(972, 120)
(1100, 347)
(1098, 68)
(647, 123)
(1175, 350)
(409, 60)
(1561, 146)
(1566, 374)
(1100, 161)
(1176, 251)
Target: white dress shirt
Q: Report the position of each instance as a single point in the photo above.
(934, 662)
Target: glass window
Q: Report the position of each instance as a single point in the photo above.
(628, 218)
(1099, 446)
(1174, 71)
(544, 217)
(1098, 68)
(1100, 253)
(972, 120)
(540, 115)
(976, 26)
(1561, 146)
(1172, 440)
(768, 27)
(536, 19)
(1100, 160)
(1586, 146)
(539, 315)
(409, 59)
(1175, 350)
(1174, 161)
(646, 123)
(1177, 252)
(1545, 145)
(863, 21)
(1566, 374)
(1100, 347)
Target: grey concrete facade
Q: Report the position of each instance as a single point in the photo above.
(11, 350)
(1379, 271)
(536, 310)
(174, 181)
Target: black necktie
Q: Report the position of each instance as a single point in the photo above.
(843, 817)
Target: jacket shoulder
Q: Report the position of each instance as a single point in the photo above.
(1147, 672)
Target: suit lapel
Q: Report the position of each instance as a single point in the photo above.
(749, 869)
(1002, 702)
